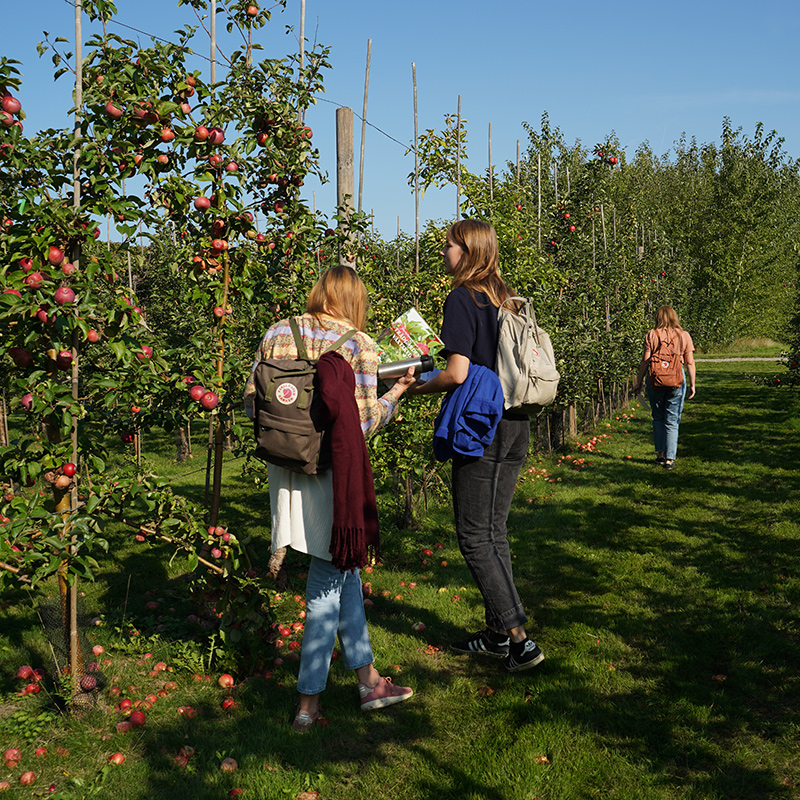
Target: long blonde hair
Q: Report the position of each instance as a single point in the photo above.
(478, 269)
(340, 293)
(666, 318)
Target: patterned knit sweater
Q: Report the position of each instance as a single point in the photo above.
(360, 352)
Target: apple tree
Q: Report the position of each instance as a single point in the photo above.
(82, 361)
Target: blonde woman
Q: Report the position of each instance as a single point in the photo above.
(483, 487)
(304, 508)
(666, 405)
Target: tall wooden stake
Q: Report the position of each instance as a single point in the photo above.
(213, 41)
(301, 57)
(364, 128)
(345, 180)
(302, 54)
(539, 194)
(491, 175)
(603, 220)
(416, 171)
(555, 179)
(458, 162)
(68, 502)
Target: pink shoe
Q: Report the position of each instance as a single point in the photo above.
(384, 693)
(304, 722)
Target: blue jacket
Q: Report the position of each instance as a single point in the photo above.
(469, 416)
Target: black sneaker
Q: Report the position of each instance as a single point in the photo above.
(483, 643)
(531, 656)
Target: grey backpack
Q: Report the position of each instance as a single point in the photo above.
(286, 421)
(525, 360)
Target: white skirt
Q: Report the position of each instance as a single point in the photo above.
(302, 511)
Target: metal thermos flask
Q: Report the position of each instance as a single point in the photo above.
(396, 369)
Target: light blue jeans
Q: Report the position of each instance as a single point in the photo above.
(666, 406)
(334, 605)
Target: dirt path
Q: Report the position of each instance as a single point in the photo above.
(717, 360)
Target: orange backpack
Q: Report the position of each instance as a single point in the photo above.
(666, 362)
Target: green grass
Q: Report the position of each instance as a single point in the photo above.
(666, 603)
(743, 348)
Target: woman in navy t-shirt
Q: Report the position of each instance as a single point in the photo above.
(483, 488)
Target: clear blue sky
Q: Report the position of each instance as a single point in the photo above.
(647, 71)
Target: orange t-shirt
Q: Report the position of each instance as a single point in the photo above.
(651, 343)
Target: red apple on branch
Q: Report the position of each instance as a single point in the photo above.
(209, 400)
(202, 203)
(64, 295)
(113, 111)
(64, 360)
(55, 256)
(11, 104)
(201, 133)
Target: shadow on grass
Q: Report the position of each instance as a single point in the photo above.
(694, 573)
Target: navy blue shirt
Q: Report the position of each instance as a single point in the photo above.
(469, 328)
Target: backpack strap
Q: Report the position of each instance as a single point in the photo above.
(526, 309)
(302, 353)
(340, 341)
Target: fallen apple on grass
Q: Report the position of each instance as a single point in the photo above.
(226, 681)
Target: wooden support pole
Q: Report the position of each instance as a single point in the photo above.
(213, 33)
(555, 179)
(301, 56)
(364, 128)
(603, 220)
(416, 170)
(345, 180)
(458, 162)
(539, 195)
(491, 175)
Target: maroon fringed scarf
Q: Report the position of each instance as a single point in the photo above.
(355, 537)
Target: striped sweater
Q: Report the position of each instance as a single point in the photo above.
(319, 334)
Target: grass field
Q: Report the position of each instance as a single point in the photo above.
(666, 604)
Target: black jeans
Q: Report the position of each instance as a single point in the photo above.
(483, 489)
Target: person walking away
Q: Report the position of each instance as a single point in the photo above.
(662, 344)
